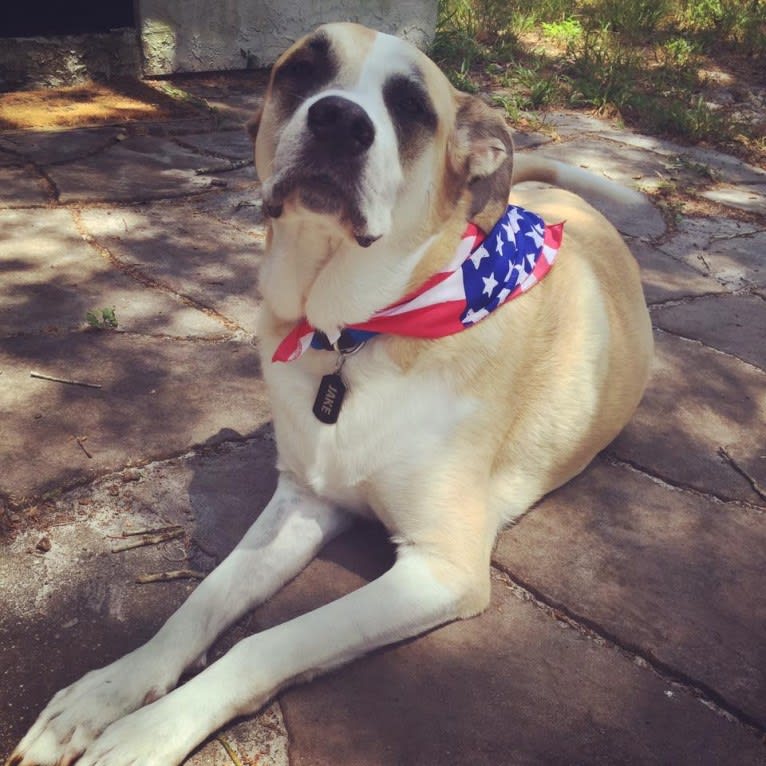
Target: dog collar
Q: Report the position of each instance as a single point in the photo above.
(486, 271)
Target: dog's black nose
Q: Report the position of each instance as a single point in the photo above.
(341, 125)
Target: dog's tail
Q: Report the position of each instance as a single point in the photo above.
(534, 167)
(628, 210)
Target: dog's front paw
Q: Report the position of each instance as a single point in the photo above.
(152, 736)
(77, 715)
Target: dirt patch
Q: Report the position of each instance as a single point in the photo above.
(93, 104)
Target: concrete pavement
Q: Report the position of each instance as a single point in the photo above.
(628, 618)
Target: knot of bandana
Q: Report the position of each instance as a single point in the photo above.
(486, 271)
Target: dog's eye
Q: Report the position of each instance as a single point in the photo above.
(410, 105)
(408, 102)
(306, 70)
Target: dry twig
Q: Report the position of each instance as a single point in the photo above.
(146, 531)
(81, 444)
(173, 574)
(53, 379)
(230, 751)
(139, 542)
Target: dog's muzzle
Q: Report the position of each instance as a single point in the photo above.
(327, 172)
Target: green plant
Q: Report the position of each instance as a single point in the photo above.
(635, 21)
(604, 72)
(642, 61)
(679, 52)
(461, 79)
(509, 104)
(471, 32)
(103, 319)
(739, 22)
(565, 31)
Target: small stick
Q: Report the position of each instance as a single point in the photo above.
(233, 165)
(145, 531)
(230, 751)
(80, 443)
(53, 379)
(147, 540)
(173, 574)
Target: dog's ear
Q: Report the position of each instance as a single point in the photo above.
(482, 154)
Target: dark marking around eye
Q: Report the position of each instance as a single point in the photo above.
(305, 72)
(411, 110)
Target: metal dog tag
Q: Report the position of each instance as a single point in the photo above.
(329, 398)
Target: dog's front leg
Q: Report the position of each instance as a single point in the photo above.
(286, 536)
(419, 592)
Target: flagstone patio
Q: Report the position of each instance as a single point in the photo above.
(628, 614)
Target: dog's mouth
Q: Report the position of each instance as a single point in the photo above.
(320, 193)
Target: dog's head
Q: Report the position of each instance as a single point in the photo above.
(364, 130)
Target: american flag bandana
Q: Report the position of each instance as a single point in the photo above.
(486, 271)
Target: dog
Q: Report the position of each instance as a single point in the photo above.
(381, 183)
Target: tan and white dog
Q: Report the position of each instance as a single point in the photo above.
(371, 166)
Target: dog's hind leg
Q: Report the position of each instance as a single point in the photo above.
(286, 536)
(422, 590)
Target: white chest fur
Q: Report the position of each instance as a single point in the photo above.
(391, 426)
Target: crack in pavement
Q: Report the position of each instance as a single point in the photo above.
(757, 488)
(202, 451)
(592, 631)
(136, 273)
(683, 300)
(713, 349)
(669, 483)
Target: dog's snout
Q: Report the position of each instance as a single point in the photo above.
(341, 125)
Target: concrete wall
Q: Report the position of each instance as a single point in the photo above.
(207, 35)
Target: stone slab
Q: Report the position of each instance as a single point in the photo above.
(726, 168)
(7, 158)
(735, 324)
(512, 686)
(51, 147)
(234, 96)
(749, 198)
(529, 140)
(232, 144)
(698, 401)
(261, 741)
(52, 278)
(77, 606)
(573, 124)
(722, 167)
(22, 187)
(139, 168)
(206, 258)
(239, 205)
(730, 251)
(665, 278)
(675, 575)
(222, 490)
(159, 397)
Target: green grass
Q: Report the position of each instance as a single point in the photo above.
(639, 60)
